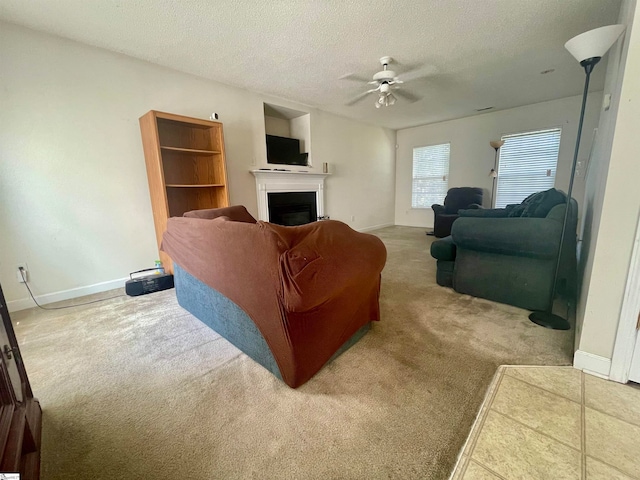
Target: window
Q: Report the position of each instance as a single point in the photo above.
(430, 175)
(527, 165)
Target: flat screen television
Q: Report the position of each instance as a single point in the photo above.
(285, 151)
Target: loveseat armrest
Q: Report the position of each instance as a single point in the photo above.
(235, 213)
(524, 237)
(326, 260)
(438, 209)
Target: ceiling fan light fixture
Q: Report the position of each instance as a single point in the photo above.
(385, 100)
(386, 81)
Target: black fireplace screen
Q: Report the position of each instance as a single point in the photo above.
(292, 208)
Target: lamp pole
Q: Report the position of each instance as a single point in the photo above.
(547, 318)
(588, 48)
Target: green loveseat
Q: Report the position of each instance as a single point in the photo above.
(509, 255)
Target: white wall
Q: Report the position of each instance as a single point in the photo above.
(74, 201)
(612, 198)
(276, 126)
(301, 130)
(472, 157)
(358, 168)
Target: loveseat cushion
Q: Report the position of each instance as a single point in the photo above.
(235, 213)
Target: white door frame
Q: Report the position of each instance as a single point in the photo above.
(627, 334)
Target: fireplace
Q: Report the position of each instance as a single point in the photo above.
(274, 185)
(292, 208)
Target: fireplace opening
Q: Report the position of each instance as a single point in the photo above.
(292, 208)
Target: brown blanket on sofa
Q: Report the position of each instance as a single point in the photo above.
(308, 289)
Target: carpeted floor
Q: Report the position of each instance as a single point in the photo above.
(137, 388)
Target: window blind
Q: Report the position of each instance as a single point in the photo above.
(527, 164)
(430, 175)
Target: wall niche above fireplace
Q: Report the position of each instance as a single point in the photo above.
(283, 127)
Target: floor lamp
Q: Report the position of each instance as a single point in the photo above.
(496, 144)
(588, 48)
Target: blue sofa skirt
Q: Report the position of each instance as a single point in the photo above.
(231, 322)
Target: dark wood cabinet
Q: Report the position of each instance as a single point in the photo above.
(20, 413)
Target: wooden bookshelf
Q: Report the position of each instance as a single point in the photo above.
(186, 167)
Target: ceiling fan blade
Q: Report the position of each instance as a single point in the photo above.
(360, 97)
(410, 97)
(355, 78)
(419, 73)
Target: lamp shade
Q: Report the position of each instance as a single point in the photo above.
(594, 43)
(496, 143)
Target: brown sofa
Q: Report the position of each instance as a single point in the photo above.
(306, 292)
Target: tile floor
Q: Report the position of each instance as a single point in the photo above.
(553, 423)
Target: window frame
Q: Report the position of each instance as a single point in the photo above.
(413, 178)
(522, 133)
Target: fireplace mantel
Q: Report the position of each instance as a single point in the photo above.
(271, 181)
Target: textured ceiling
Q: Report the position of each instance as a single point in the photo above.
(485, 53)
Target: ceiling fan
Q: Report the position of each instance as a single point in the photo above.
(385, 81)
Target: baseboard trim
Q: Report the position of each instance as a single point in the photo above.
(24, 303)
(375, 227)
(593, 364)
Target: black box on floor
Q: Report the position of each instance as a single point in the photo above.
(148, 284)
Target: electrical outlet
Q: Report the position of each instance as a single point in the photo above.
(23, 276)
(353, 218)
